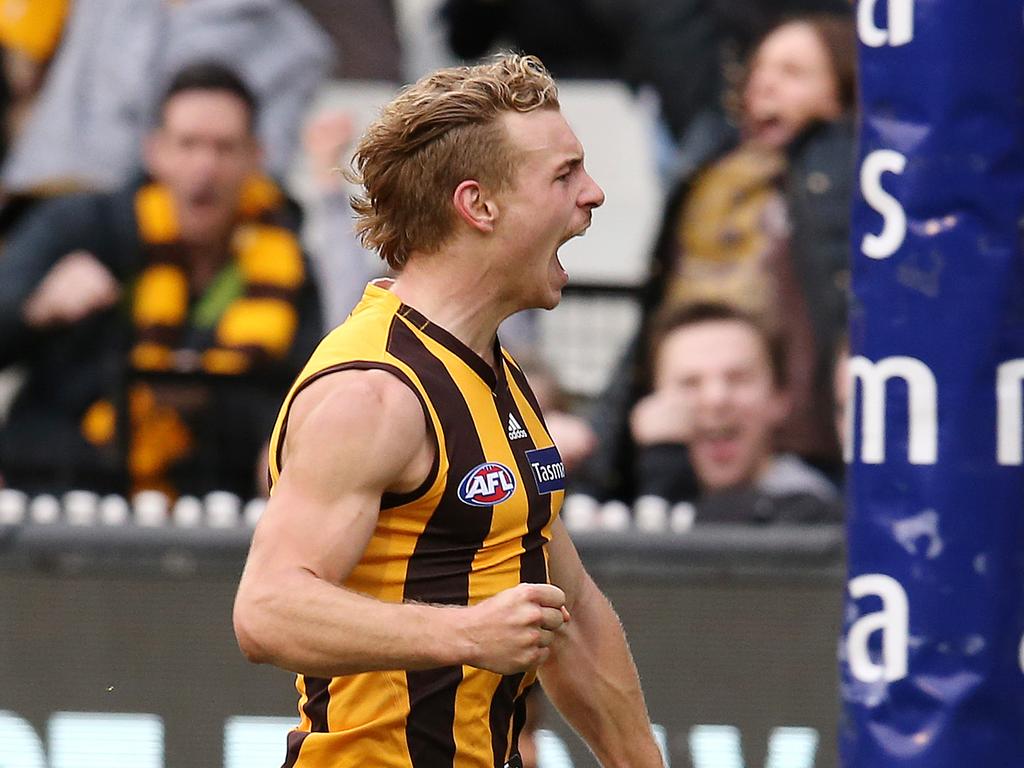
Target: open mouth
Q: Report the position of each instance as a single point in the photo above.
(770, 127)
(202, 198)
(720, 443)
(560, 267)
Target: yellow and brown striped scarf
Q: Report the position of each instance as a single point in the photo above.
(247, 317)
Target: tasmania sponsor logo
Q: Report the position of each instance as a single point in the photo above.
(548, 469)
(487, 484)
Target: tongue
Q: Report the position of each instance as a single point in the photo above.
(722, 450)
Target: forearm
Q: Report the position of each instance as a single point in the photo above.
(304, 624)
(593, 682)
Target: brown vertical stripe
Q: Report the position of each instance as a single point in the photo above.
(439, 568)
(519, 719)
(295, 739)
(524, 386)
(532, 566)
(318, 698)
(501, 714)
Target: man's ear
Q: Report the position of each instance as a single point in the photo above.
(475, 207)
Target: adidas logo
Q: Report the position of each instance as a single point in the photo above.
(515, 429)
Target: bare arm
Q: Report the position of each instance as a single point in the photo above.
(590, 676)
(351, 437)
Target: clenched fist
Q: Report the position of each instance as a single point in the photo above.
(74, 288)
(513, 631)
(665, 416)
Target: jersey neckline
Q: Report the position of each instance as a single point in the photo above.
(494, 379)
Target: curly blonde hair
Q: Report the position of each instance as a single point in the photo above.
(435, 134)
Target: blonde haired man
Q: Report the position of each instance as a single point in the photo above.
(410, 566)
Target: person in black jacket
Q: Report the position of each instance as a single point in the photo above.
(706, 434)
(764, 226)
(677, 48)
(159, 324)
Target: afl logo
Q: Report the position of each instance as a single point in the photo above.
(487, 484)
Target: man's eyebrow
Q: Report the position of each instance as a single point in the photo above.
(570, 163)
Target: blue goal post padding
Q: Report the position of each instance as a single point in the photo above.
(931, 655)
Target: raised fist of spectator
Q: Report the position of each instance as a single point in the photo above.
(75, 287)
(665, 416)
(324, 140)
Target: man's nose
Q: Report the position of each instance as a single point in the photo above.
(714, 394)
(204, 160)
(593, 195)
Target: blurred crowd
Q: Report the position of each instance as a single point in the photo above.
(157, 293)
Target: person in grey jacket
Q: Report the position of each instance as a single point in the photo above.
(116, 58)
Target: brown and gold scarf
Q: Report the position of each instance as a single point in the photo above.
(245, 318)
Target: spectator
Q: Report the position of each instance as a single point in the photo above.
(160, 323)
(766, 227)
(29, 34)
(671, 46)
(117, 56)
(365, 35)
(676, 48)
(719, 395)
(343, 266)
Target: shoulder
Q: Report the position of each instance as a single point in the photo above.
(357, 416)
(826, 143)
(788, 475)
(56, 227)
(353, 397)
(356, 431)
(69, 210)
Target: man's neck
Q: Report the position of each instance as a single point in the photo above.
(463, 301)
(205, 260)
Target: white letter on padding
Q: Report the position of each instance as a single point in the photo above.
(894, 226)
(892, 620)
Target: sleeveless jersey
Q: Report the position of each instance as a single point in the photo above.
(476, 526)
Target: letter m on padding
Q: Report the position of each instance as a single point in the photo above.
(922, 408)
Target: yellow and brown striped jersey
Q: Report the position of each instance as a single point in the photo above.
(476, 526)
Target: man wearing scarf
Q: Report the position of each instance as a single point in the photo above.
(159, 324)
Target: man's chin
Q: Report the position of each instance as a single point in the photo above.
(549, 299)
(206, 223)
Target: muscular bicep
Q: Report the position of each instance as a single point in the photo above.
(352, 436)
